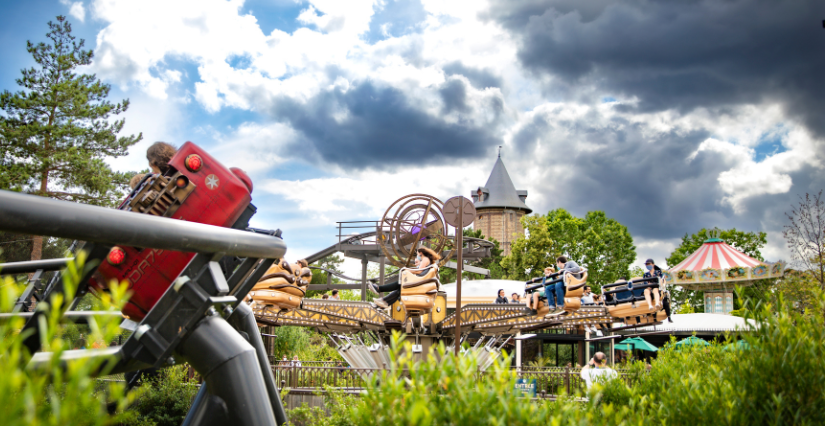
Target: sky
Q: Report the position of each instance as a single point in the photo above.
(670, 116)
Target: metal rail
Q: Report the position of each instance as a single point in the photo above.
(35, 215)
(33, 265)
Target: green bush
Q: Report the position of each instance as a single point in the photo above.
(338, 408)
(777, 380)
(53, 395)
(165, 400)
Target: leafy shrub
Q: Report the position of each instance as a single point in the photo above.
(337, 403)
(777, 380)
(447, 391)
(166, 399)
(53, 395)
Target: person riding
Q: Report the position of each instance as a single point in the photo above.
(426, 258)
(555, 296)
(159, 155)
(587, 296)
(501, 299)
(533, 301)
(658, 296)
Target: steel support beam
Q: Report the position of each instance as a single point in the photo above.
(30, 214)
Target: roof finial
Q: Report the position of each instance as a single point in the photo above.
(499, 151)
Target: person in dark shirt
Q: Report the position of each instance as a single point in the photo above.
(501, 299)
(658, 296)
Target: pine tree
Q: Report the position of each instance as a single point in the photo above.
(56, 132)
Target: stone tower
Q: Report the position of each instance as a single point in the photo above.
(499, 207)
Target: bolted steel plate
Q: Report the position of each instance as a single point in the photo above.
(451, 212)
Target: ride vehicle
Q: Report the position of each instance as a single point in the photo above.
(195, 188)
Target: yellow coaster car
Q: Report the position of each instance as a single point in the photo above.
(418, 293)
(282, 288)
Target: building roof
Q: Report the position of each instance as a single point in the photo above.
(499, 191)
(701, 323)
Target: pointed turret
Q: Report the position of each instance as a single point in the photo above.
(499, 207)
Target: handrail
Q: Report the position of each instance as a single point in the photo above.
(30, 214)
(33, 265)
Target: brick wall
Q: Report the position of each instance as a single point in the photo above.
(502, 224)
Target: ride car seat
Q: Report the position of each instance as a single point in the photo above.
(282, 288)
(418, 293)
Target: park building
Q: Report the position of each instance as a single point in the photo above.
(500, 207)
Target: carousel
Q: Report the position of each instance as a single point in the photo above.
(717, 269)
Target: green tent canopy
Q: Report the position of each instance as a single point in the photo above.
(691, 341)
(639, 344)
(737, 345)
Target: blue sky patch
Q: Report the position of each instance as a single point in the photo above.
(275, 14)
(395, 19)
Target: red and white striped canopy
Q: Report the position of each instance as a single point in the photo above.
(716, 255)
(718, 263)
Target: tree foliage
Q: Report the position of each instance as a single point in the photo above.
(56, 133)
(599, 243)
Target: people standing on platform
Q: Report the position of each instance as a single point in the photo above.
(335, 295)
(295, 362)
(514, 298)
(501, 299)
(597, 370)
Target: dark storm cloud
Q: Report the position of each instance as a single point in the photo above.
(368, 126)
(454, 96)
(479, 78)
(679, 54)
(643, 181)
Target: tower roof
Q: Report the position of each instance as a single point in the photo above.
(499, 191)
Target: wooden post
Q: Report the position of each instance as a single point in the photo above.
(459, 243)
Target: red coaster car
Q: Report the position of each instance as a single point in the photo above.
(196, 188)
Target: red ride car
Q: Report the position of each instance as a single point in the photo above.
(196, 188)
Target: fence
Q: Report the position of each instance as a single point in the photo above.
(318, 377)
(551, 380)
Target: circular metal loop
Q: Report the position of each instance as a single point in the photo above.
(411, 222)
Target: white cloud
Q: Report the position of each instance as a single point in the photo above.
(76, 9)
(367, 194)
(239, 66)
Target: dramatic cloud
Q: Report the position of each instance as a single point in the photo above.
(669, 115)
(678, 54)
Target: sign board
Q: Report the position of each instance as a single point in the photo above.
(466, 208)
(526, 387)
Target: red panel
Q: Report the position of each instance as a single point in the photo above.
(218, 199)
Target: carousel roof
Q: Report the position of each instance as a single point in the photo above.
(716, 262)
(716, 254)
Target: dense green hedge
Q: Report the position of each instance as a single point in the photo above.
(779, 379)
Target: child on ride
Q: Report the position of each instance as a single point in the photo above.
(423, 262)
